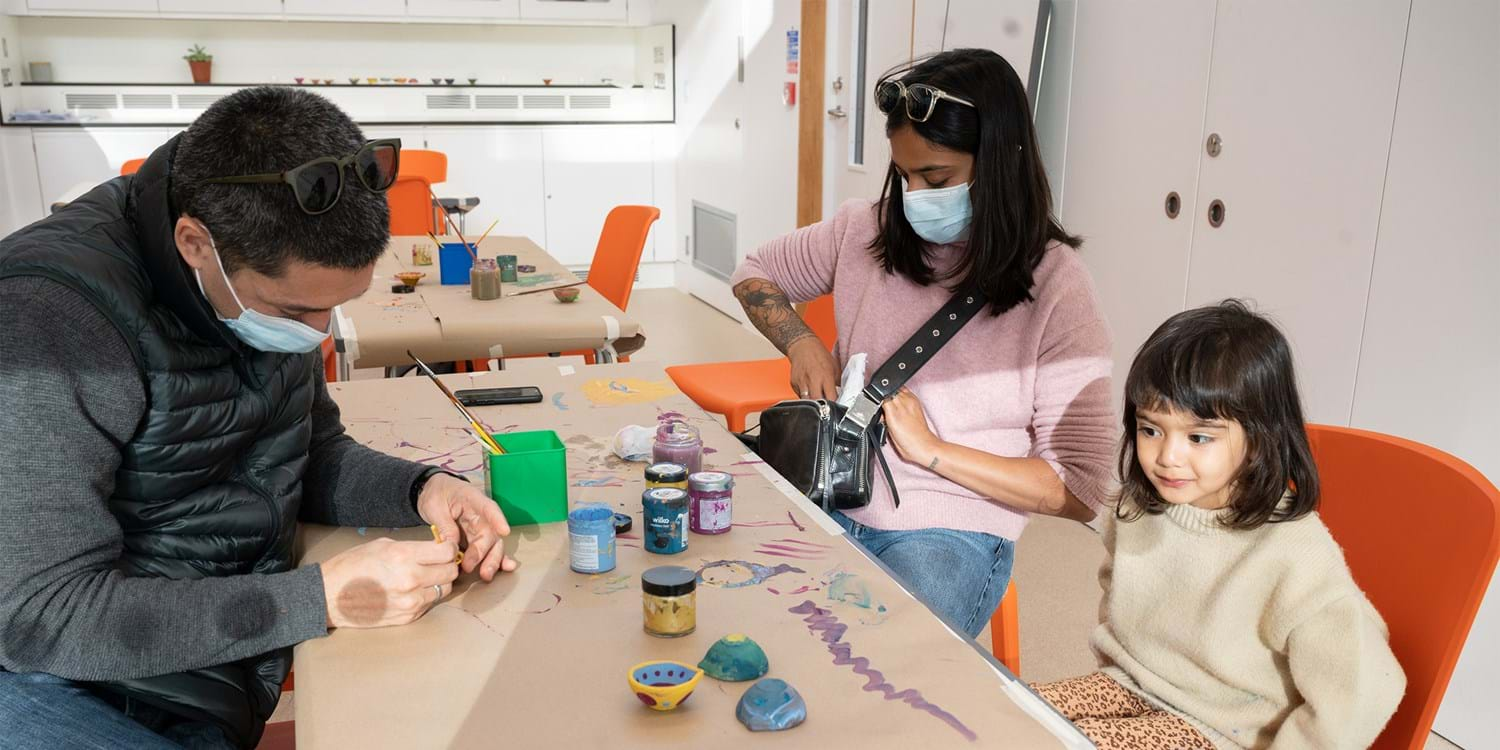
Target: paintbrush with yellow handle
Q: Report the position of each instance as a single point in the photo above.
(484, 436)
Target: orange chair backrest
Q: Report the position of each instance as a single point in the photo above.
(131, 167)
(1421, 532)
(618, 254)
(416, 162)
(818, 315)
(410, 200)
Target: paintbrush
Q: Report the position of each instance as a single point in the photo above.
(486, 234)
(484, 436)
(546, 289)
(454, 227)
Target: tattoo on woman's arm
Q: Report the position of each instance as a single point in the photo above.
(772, 313)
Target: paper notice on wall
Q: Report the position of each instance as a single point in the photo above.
(793, 51)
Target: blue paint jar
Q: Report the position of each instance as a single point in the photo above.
(591, 538)
(666, 520)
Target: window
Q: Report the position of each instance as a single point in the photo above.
(857, 90)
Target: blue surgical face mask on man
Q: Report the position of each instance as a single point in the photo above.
(259, 331)
(938, 215)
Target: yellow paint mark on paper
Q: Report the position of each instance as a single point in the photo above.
(627, 391)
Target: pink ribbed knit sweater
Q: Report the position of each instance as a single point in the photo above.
(1032, 382)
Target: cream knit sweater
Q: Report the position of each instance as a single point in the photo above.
(1260, 639)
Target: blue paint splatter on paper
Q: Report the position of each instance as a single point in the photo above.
(557, 400)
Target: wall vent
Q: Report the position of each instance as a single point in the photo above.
(497, 101)
(545, 101)
(196, 101)
(91, 101)
(448, 101)
(147, 101)
(589, 101)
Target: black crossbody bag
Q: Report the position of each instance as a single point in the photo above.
(825, 450)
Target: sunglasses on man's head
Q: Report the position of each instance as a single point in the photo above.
(921, 99)
(319, 183)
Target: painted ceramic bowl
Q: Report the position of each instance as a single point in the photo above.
(437, 81)
(372, 80)
(410, 278)
(663, 685)
(566, 295)
(353, 81)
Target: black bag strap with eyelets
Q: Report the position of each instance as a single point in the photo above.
(917, 351)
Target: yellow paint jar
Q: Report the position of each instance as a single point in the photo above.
(669, 601)
(666, 475)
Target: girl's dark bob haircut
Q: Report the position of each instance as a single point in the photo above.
(1226, 362)
(1012, 221)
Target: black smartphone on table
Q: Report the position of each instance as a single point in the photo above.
(528, 394)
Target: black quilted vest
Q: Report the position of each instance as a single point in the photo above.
(210, 483)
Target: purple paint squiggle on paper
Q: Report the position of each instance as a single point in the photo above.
(822, 621)
(791, 520)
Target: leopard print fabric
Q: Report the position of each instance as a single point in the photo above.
(1117, 719)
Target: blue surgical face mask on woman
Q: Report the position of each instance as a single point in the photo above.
(938, 215)
(259, 331)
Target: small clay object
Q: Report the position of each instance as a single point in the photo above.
(663, 685)
(771, 705)
(448, 81)
(298, 80)
(372, 80)
(473, 81)
(353, 81)
(569, 294)
(436, 81)
(403, 288)
(525, 269)
(410, 278)
(735, 658)
(546, 81)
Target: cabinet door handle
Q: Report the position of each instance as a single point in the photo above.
(1216, 213)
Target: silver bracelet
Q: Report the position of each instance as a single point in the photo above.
(933, 466)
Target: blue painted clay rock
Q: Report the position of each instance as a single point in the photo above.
(735, 658)
(771, 705)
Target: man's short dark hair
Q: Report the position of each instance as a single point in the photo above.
(273, 129)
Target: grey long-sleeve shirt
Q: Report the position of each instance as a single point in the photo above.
(70, 397)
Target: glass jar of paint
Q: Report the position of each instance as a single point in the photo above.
(484, 280)
(421, 255)
(669, 601)
(666, 513)
(591, 538)
(709, 499)
(666, 475)
(678, 443)
(507, 265)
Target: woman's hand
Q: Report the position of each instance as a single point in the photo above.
(906, 423)
(815, 373)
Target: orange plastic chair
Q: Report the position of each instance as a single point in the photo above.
(131, 167)
(416, 162)
(410, 200)
(330, 361)
(617, 257)
(1421, 532)
(1005, 630)
(738, 389)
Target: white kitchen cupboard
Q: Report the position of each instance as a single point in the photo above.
(460, 10)
(67, 157)
(1302, 96)
(93, 6)
(502, 166)
(20, 197)
(588, 171)
(1131, 149)
(574, 10)
(245, 8)
(336, 8)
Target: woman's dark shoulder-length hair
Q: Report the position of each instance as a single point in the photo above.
(1225, 361)
(1013, 223)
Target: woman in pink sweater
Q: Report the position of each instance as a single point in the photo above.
(1013, 416)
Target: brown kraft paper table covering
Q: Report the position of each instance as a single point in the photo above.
(443, 323)
(538, 657)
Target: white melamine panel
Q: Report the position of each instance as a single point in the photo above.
(99, 6)
(574, 10)
(503, 168)
(1303, 95)
(588, 172)
(20, 194)
(1139, 82)
(486, 10)
(1429, 368)
(227, 7)
(346, 7)
(66, 158)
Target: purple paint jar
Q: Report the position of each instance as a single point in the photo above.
(710, 494)
(678, 443)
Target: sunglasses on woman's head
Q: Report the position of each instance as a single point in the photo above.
(921, 99)
(319, 183)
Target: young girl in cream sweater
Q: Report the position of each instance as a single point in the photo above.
(1229, 617)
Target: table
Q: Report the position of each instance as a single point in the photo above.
(538, 657)
(443, 323)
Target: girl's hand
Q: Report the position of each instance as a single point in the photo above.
(815, 373)
(906, 423)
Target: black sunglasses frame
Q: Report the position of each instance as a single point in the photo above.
(340, 165)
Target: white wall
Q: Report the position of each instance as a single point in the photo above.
(150, 51)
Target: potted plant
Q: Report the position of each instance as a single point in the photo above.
(201, 63)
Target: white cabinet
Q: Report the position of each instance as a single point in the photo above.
(221, 7)
(574, 10)
(94, 6)
(590, 170)
(20, 198)
(503, 168)
(68, 157)
(477, 10)
(335, 8)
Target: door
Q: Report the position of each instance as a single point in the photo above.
(502, 167)
(1302, 97)
(1139, 82)
(590, 170)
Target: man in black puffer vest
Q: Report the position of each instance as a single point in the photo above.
(166, 423)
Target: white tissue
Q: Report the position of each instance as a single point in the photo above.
(854, 380)
(633, 442)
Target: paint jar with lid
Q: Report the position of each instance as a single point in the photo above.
(669, 601)
(666, 475)
(710, 494)
(484, 280)
(678, 443)
(591, 538)
(666, 515)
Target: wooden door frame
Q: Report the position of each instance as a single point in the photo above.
(813, 42)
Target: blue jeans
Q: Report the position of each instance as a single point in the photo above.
(960, 575)
(39, 710)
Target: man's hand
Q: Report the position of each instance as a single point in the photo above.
(386, 582)
(451, 505)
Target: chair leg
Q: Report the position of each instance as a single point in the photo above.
(736, 419)
(1005, 630)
